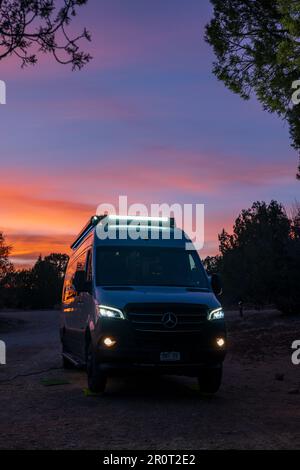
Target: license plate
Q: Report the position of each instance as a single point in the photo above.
(170, 356)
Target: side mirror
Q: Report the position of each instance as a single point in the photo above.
(80, 284)
(216, 284)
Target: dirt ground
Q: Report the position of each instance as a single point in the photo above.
(257, 407)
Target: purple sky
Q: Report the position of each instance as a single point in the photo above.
(145, 118)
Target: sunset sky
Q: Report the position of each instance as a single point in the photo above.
(146, 118)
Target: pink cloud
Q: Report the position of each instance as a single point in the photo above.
(55, 203)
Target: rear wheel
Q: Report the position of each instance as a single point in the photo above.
(209, 379)
(96, 378)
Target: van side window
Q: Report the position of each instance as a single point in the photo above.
(68, 293)
(79, 265)
(89, 271)
(192, 263)
(74, 265)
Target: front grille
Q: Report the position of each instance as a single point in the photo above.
(167, 318)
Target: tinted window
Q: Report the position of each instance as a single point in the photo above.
(149, 266)
(78, 264)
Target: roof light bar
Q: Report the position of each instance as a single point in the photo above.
(137, 226)
(129, 222)
(139, 218)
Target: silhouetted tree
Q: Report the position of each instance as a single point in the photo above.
(5, 265)
(29, 27)
(287, 295)
(18, 289)
(47, 280)
(260, 258)
(59, 261)
(254, 253)
(295, 217)
(213, 264)
(39, 287)
(257, 49)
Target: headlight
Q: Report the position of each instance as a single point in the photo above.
(110, 312)
(216, 314)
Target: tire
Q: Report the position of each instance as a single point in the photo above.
(209, 380)
(96, 379)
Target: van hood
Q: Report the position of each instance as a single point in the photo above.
(120, 296)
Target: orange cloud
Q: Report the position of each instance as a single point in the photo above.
(27, 248)
(41, 211)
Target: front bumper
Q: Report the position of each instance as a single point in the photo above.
(136, 350)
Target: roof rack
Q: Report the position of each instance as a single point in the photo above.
(125, 220)
(86, 230)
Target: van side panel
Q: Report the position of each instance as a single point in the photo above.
(74, 312)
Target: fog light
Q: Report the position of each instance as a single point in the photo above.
(109, 342)
(220, 342)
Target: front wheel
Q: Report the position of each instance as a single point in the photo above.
(96, 378)
(209, 379)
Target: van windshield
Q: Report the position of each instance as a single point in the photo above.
(149, 266)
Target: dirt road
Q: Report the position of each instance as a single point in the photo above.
(257, 407)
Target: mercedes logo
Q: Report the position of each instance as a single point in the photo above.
(169, 320)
